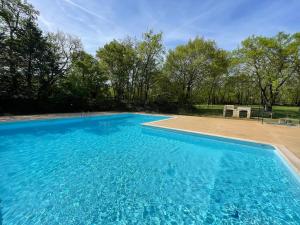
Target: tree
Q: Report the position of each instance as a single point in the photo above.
(150, 54)
(117, 59)
(56, 61)
(271, 61)
(189, 65)
(85, 79)
(33, 45)
(39, 69)
(14, 14)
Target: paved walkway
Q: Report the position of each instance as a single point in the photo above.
(287, 139)
(49, 116)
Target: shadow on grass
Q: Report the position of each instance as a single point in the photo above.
(286, 114)
(202, 111)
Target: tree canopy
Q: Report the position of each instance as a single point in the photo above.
(45, 72)
(189, 66)
(272, 62)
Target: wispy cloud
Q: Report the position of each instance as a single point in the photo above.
(88, 11)
(228, 22)
(46, 23)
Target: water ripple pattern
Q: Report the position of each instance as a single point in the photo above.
(113, 170)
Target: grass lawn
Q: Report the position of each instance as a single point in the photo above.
(278, 111)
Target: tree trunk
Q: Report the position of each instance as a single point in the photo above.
(268, 107)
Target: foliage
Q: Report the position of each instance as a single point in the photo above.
(117, 59)
(132, 66)
(188, 66)
(50, 72)
(150, 56)
(86, 79)
(271, 62)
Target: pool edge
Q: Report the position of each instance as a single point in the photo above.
(38, 117)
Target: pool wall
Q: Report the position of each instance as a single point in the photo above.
(281, 151)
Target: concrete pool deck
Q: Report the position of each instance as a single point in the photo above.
(285, 139)
(50, 116)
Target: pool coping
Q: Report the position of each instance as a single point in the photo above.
(37, 117)
(288, 157)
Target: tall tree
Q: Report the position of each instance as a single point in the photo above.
(117, 58)
(150, 53)
(85, 78)
(271, 61)
(14, 14)
(56, 61)
(188, 65)
(33, 45)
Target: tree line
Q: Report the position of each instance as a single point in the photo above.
(51, 72)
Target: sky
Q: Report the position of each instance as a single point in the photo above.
(227, 22)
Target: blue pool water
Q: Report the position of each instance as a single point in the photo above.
(113, 170)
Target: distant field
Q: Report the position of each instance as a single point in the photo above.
(278, 111)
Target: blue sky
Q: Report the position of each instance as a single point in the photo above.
(227, 22)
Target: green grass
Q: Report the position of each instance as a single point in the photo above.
(208, 110)
(286, 111)
(217, 110)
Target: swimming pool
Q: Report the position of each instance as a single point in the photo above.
(113, 170)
